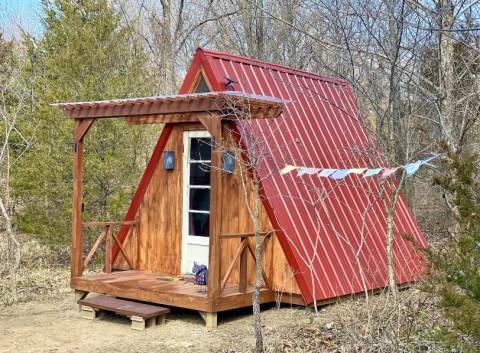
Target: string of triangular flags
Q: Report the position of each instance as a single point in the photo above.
(410, 169)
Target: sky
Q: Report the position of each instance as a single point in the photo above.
(20, 13)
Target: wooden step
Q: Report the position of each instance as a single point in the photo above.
(142, 315)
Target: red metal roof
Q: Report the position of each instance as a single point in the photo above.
(321, 128)
(159, 105)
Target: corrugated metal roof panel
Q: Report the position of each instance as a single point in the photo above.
(320, 128)
(173, 98)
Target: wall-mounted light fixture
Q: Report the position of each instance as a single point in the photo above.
(228, 159)
(168, 160)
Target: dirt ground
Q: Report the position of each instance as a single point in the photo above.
(54, 325)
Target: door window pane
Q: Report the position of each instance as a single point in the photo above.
(199, 173)
(200, 199)
(201, 149)
(199, 224)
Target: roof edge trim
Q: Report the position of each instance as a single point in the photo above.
(276, 67)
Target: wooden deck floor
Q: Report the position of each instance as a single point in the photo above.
(150, 287)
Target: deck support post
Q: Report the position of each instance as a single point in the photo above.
(81, 127)
(140, 324)
(242, 280)
(88, 312)
(209, 318)
(79, 295)
(214, 126)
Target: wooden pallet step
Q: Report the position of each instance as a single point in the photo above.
(142, 315)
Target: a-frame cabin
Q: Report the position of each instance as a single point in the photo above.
(184, 212)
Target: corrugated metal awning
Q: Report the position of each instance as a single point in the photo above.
(178, 108)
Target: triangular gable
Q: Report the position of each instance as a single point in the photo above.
(319, 127)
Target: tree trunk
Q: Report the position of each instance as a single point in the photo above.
(259, 31)
(446, 100)
(390, 210)
(395, 107)
(258, 259)
(392, 278)
(445, 95)
(16, 250)
(166, 51)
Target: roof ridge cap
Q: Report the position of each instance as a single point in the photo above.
(277, 67)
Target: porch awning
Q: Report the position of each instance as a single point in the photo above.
(178, 108)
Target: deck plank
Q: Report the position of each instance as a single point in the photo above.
(146, 286)
(124, 307)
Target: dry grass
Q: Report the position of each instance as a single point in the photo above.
(412, 326)
(43, 273)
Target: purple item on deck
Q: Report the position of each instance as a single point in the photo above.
(201, 274)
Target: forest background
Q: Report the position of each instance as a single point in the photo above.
(414, 67)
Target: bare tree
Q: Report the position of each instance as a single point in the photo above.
(14, 143)
(246, 140)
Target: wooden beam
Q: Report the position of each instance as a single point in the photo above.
(252, 252)
(240, 250)
(178, 300)
(290, 298)
(244, 299)
(108, 250)
(245, 235)
(76, 262)
(162, 119)
(215, 249)
(83, 126)
(242, 273)
(157, 108)
(94, 248)
(209, 121)
(122, 250)
(104, 224)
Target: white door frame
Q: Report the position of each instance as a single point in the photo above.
(191, 243)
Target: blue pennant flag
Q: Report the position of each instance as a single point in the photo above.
(371, 172)
(339, 174)
(412, 168)
(302, 171)
(428, 159)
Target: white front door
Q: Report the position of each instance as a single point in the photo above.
(196, 198)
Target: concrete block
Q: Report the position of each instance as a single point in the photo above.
(138, 323)
(88, 312)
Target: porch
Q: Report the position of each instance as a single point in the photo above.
(166, 290)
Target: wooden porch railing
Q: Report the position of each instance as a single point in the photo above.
(110, 237)
(242, 252)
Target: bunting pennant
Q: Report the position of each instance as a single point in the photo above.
(311, 171)
(339, 174)
(302, 171)
(371, 172)
(288, 169)
(428, 159)
(410, 169)
(326, 172)
(389, 171)
(356, 170)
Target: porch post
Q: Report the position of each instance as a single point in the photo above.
(214, 271)
(81, 127)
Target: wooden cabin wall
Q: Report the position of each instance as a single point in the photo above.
(235, 219)
(155, 243)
